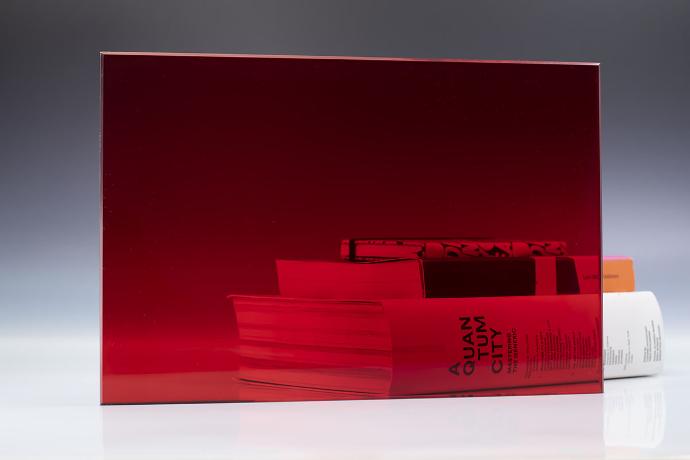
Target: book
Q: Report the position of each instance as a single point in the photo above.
(416, 347)
(633, 335)
(357, 349)
(431, 278)
(462, 277)
(359, 249)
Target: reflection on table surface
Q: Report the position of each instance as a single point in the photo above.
(48, 410)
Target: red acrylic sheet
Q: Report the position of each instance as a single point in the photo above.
(217, 167)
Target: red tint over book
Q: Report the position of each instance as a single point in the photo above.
(418, 348)
(216, 166)
(447, 278)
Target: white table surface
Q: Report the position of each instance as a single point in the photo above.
(49, 409)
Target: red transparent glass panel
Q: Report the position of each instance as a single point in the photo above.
(217, 167)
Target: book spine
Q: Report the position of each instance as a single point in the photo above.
(633, 335)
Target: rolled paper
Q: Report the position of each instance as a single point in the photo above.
(633, 334)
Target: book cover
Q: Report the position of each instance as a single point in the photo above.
(418, 347)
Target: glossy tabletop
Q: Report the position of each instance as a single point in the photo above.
(49, 409)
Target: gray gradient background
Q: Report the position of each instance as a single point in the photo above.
(49, 116)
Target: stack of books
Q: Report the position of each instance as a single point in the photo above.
(444, 317)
